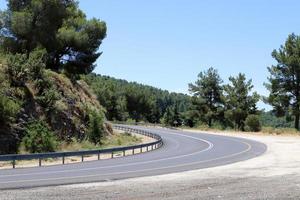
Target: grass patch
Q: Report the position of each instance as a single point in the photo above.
(124, 139)
(264, 130)
(115, 140)
(280, 131)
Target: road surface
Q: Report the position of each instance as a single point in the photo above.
(181, 151)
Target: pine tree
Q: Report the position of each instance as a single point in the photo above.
(208, 91)
(239, 103)
(284, 80)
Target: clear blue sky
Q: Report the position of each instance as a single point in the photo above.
(166, 43)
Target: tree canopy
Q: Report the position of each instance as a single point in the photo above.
(125, 100)
(209, 92)
(239, 103)
(59, 26)
(284, 80)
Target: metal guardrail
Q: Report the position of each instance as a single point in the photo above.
(40, 156)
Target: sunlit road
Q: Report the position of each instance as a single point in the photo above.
(181, 151)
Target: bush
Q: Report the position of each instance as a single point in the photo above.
(38, 138)
(23, 67)
(48, 98)
(252, 123)
(96, 129)
(17, 69)
(8, 109)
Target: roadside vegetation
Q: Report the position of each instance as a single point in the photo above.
(113, 140)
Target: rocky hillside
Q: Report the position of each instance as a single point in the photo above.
(64, 105)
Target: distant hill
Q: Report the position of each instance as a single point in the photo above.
(125, 100)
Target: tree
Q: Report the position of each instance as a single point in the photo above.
(39, 138)
(172, 116)
(252, 123)
(239, 103)
(123, 99)
(208, 91)
(59, 26)
(284, 80)
(95, 130)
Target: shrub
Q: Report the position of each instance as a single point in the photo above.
(252, 123)
(17, 69)
(48, 98)
(23, 67)
(38, 138)
(95, 129)
(8, 109)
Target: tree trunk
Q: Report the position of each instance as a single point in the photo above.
(209, 122)
(297, 116)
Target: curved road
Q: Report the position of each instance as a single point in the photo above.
(181, 151)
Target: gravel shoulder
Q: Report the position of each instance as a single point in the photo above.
(274, 175)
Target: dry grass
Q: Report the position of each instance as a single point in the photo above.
(264, 131)
(117, 139)
(280, 131)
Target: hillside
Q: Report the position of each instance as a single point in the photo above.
(45, 46)
(62, 104)
(124, 100)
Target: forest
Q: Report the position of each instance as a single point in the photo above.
(235, 107)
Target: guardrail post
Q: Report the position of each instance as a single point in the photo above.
(82, 158)
(147, 148)
(133, 151)
(112, 154)
(40, 162)
(14, 163)
(141, 150)
(63, 159)
(98, 155)
(123, 152)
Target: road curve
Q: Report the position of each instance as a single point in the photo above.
(181, 151)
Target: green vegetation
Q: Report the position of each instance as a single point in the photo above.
(269, 119)
(207, 92)
(122, 139)
(284, 80)
(44, 47)
(224, 106)
(8, 110)
(39, 138)
(252, 123)
(114, 140)
(239, 103)
(95, 129)
(129, 100)
(59, 27)
(172, 117)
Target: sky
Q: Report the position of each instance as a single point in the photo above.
(166, 43)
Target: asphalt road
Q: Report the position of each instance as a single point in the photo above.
(181, 151)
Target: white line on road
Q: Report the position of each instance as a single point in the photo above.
(210, 146)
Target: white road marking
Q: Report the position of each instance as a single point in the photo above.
(134, 171)
(210, 146)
